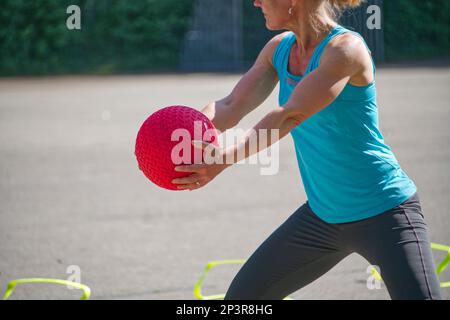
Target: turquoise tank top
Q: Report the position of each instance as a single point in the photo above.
(348, 171)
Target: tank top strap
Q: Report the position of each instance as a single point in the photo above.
(337, 31)
(315, 59)
(282, 52)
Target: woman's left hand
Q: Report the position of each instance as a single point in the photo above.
(202, 173)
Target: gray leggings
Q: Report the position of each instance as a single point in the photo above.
(305, 247)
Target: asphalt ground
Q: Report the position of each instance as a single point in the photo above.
(71, 192)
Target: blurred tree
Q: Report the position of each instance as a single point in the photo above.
(32, 35)
(115, 36)
(417, 29)
(137, 36)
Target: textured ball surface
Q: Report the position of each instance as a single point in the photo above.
(154, 143)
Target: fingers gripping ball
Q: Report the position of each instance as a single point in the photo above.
(164, 141)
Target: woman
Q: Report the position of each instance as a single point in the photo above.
(359, 199)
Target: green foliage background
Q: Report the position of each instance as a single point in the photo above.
(116, 36)
(416, 29)
(137, 36)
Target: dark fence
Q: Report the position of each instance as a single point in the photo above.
(215, 41)
(144, 36)
(228, 35)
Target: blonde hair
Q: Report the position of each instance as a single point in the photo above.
(343, 4)
(334, 9)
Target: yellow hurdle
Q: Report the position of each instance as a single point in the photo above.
(12, 284)
(198, 286)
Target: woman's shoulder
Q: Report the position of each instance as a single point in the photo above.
(348, 43)
(350, 51)
(277, 39)
(272, 45)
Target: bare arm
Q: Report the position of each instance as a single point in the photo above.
(250, 92)
(339, 64)
(316, 91)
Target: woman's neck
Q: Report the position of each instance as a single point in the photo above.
(311, 28)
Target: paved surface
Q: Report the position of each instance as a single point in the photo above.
(71, 193)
